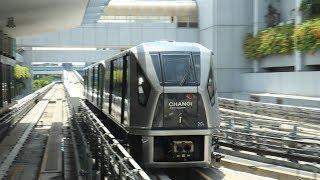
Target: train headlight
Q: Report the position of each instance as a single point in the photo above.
(183, 146)
(140, 81)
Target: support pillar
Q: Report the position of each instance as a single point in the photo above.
(297, 54)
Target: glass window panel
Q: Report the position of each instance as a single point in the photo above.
(196, 59)
(178, 70)
(157, 66)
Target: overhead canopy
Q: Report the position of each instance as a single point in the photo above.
(151, 8)
(32, 17)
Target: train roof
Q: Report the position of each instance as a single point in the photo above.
(164, 46)
(161, 46)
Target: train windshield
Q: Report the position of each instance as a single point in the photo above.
(178, 70)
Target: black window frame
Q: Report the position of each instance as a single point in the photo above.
(161, 78)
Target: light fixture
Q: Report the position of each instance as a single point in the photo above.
(10, 23)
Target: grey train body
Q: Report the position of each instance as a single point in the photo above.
(165, 94)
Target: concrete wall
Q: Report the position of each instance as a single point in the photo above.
(293, 83)
(115, 35)
(289, 60)
(223, 27)
(287, 8)
(277, 61)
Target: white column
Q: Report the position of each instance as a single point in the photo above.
(297, 54)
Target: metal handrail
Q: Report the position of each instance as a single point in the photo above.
(119, 163)
(21, 108)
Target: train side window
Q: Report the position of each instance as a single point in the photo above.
(157, 66)
(125, 91)
(92, 79)
(96, 78)
(196, 60)
(210, 85)
(117, 88)
(100, 84)
(144, 87)
(107, 88)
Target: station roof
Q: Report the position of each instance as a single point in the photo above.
(32, 17)
(151, 8)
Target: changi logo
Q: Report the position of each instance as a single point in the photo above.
(180, 104)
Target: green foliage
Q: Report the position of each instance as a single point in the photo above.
(307, 35)
(39, 83)
(43, 81)
(21, 72)
(310, 8)
(274, 40)
(117, 75)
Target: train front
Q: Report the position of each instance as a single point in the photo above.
(185, 112)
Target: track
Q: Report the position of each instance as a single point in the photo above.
(33, 147)
(276, 134)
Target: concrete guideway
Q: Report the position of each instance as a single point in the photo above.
(12, 144)
(33, 149)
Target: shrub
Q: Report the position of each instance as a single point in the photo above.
(21, 72)
(39, 83)
(274, 40)
(43, 81)
(307, 35)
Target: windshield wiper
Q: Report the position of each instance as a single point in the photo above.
(184, 79)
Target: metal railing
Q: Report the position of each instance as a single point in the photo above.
(19, 110)
(270, 129)
(110, 158)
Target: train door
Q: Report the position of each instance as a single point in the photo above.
(120, 107)
(125, 91)
(117, 68)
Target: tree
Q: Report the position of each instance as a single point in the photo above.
(21, 72)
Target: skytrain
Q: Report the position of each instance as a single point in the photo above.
(162, 97)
